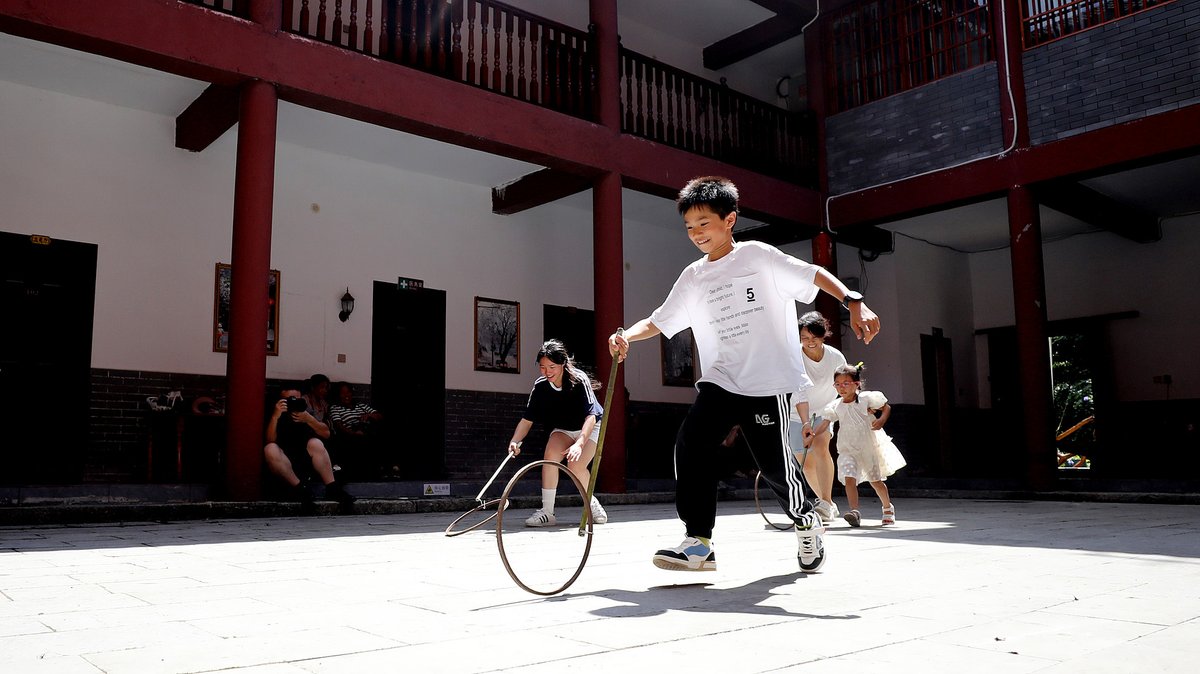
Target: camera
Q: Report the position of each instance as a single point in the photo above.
(296, 405)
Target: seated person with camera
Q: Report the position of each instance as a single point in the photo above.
(294, 435)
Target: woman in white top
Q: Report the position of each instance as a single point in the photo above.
(820, 362)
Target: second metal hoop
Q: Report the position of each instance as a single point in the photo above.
(483, 506)
(758, 504)
(500, 527)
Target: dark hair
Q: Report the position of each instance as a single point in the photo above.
(719, 194)
(556, 352)
(317, 379)
(852, 371)
(336, 389)
(815, 323)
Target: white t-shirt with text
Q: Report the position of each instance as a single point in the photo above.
(742, 314)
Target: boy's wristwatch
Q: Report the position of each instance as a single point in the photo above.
(851, 296)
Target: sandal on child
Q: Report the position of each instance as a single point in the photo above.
(853, 517)
(889, 515)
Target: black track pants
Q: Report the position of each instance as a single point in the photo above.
(764, 422)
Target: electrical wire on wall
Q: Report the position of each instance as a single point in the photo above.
(1011, 146)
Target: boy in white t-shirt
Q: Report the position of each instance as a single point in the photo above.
(739, 302)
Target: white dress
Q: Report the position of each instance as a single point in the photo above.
(864, 454)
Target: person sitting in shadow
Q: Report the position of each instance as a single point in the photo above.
(316, 394)
(296, 438)
(358, 435)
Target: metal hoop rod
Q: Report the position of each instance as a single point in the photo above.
(508, 456)
(608, 395)
(587, 548)
(477, 509)
(758, 505)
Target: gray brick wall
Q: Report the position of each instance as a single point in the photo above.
(937, 125)
(1139, 66)
(121, 422)
(478, 426)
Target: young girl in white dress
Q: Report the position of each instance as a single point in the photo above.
(865, 452)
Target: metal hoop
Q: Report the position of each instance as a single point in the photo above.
(500, 527)
(758, 504)
(482, 506)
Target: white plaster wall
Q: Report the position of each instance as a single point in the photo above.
(883, 294)
(881, 356)
(78, 169)
(74, 168)
(1103, 273)
(936, 286)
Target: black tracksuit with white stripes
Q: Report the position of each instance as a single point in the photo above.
(764, 422)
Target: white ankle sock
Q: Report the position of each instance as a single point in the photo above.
(548, 500)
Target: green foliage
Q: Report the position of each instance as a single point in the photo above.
(1074, 400)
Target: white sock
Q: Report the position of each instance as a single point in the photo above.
(548, 500)
(595, 502)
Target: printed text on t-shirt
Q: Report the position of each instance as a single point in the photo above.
(727, 322)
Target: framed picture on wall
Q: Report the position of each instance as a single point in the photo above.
(497, 335)
(221, 310)
(679, 359)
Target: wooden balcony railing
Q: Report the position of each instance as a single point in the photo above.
(1049, 20)
(494, 46)
(676, 108)
(235, 7)
(480, 42)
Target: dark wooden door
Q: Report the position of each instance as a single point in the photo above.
(47, 299)
(937, 371)
(577, 330)
(408, 376)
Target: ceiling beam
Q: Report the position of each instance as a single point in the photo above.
(753, 40)
(207, 118)
(868, 238)
(536, 189)
(1099, 210)
(788, 22)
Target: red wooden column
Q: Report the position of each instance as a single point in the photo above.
(608, 245)
(609, 294)
(1033, 346)
(1028, 273)
(246, 363)
(824, 248)
(824, 253)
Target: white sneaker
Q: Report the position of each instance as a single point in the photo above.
(690, 555)
(598, 514)
(824, 509)
(541, 518)
(811, 553)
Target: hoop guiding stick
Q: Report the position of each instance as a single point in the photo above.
(608, 395)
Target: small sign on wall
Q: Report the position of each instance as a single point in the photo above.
(437, 489)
